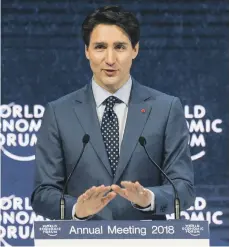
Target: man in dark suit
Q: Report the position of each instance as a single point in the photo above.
(114, 179)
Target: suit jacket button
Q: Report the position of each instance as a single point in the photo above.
(163, 208)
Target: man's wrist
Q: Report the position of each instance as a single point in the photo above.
(150, 207)
(136, 205)
(75, 217)
(81, 218)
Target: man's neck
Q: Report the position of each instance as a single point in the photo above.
(112, 88)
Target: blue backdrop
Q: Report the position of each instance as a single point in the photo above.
(184, 51)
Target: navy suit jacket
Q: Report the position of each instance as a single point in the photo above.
(65, 122)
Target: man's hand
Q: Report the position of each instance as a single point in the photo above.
(93, 200)
(134, 192)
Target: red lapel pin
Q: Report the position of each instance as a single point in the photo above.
(143, 110)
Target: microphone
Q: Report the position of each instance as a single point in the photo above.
(142, 142)
(85, 141)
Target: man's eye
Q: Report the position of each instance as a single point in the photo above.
(99, 47)
(120, 47)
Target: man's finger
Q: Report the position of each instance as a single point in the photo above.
(101, 191)
(119, 190)
(123, 192)
(115, 188)
(129, 186)
(139, 188)
(138, 184)
(90, 192)
(110, 196)
(105, 200)
(80, 198)
(98, 190)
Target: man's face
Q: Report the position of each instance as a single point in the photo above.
(110, 54)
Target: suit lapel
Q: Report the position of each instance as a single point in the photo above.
(138, 113)
(85, 109)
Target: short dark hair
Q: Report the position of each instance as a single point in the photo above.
(112, 15)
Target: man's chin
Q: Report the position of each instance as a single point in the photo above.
(111, 80)
(110, 85)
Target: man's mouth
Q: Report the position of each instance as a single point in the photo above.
(110, 72)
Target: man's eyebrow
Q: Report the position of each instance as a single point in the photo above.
(99, 43)
(115, 43)
(120, 43)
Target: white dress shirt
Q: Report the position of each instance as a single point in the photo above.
(121, 110)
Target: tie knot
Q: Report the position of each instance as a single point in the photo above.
(111, 100)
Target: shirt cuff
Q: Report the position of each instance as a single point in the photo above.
(151, 206)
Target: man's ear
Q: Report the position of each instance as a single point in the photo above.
(86, 52)
(135, 51)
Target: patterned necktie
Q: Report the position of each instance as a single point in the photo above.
(110, 132)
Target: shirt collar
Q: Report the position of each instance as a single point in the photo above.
(100, 94)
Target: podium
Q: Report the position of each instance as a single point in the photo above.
(177, 233)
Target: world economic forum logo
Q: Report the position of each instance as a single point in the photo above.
(19, 125)
(50, 229)
(193, 229)
(16, 220)
(199, 127)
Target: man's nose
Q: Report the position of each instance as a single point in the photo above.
(110, 57)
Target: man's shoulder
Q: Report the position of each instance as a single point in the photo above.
(157, 95)
(68, 98)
